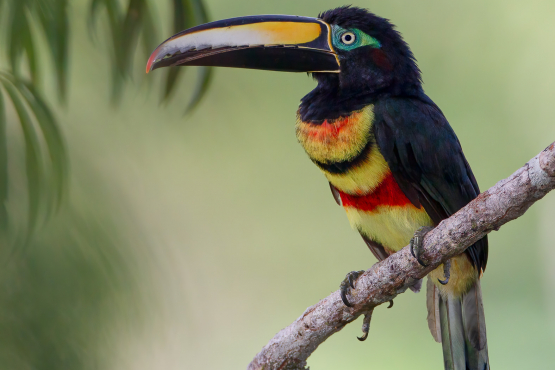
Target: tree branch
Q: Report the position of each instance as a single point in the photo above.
(507, 200)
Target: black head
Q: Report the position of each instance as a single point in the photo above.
(374, 60)
(356, 56)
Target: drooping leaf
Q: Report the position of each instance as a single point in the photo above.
(3, 169)
(15, 45)
(149, 34)
(137, 18)
(137, 21)
(125, 30)
(200, 11)
(34, 169)
(53, 172)
(92, 15)
(54, 19)
(45, 152)
(188, 13)
(183, 18)
(60, 50)
(205, 73)
(130, 34)
(20, 40)
(114, 19)
(53, 139)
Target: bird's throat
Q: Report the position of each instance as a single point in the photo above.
(336, 140)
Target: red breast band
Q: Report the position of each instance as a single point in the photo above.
(388, 193)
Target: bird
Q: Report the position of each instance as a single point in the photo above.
(390, 156)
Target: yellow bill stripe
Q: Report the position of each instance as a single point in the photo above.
(264, 33)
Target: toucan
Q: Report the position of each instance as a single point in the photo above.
(391, 158)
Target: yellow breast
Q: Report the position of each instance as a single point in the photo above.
(391, 226)
(343, 140)
(364, 177)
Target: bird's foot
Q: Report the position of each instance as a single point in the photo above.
(348, 283)
(446, 272)
(366, 325)
(366, 322)
(416, 243)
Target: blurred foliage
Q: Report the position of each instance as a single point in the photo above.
(26, 24)
(69, 294)
(188, 14)
(59, 300)
(45, 152)
(51, 16)
(127, 26)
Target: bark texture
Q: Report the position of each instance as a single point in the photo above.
(507, 200)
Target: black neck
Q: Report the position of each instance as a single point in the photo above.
(328, 101)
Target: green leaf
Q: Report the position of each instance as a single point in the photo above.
(125, 31)
(188, 13)
(53, 16)
(114, 20)
(15, 30)
(3, 169)
(60, 25)
(137, 21)
(200, 11)
(20, 40)
(91, 18)
(183, 18)
(149, 34)
(130, 34)
(33, 165)
(54, 141)
(205, 73)
(137, 18)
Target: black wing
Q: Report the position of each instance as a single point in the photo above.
(426, 160)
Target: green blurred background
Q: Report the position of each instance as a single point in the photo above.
(187, 242)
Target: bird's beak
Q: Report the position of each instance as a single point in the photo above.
(271, 42)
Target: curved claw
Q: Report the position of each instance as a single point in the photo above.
(390, 304)
(349, 282)
(417, 241)
(363, 338)
(446, 272)
(366, 325)
(344, 298)
(417, 258)
(412, 250)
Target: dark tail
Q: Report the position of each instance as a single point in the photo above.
(460, 326)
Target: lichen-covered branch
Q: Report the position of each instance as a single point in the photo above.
(504, 202)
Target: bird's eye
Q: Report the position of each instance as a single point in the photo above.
(348, 38)
(351, 39)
